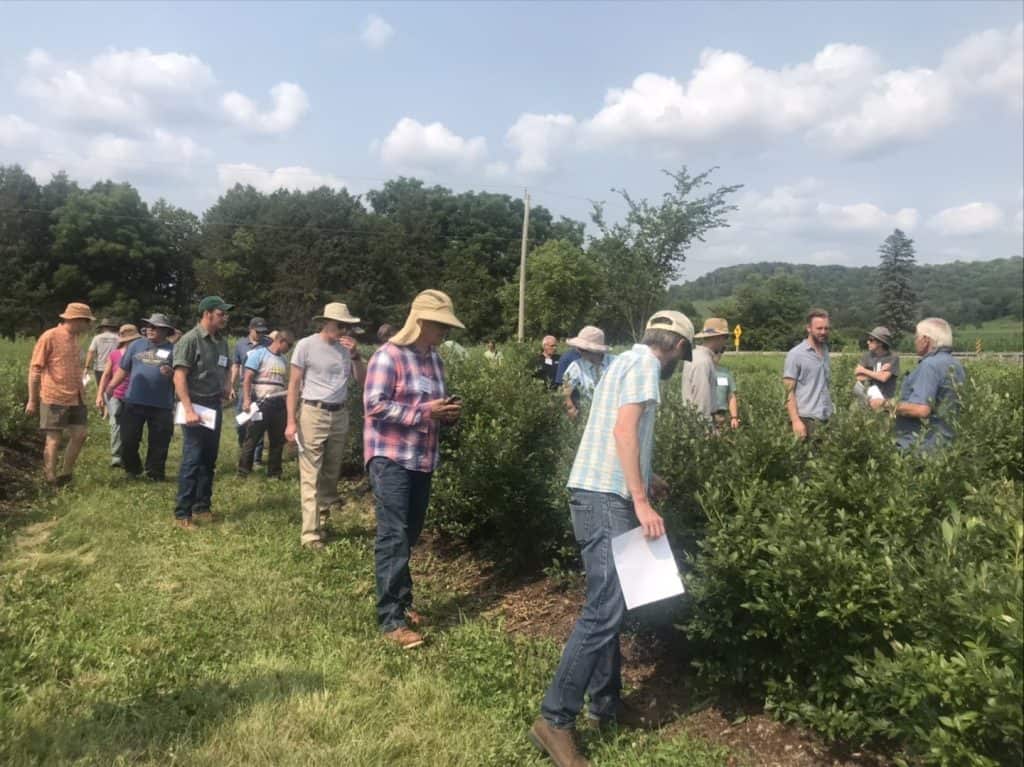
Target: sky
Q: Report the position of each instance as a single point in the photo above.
(842, 120)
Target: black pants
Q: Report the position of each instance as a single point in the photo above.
(160, 423)
(275, 418)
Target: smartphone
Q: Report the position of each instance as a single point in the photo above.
(455, 399)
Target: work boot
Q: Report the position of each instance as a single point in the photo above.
(404, 638)
(558, 744)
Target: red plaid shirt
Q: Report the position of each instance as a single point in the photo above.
(400, 381)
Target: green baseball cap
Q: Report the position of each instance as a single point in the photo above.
(211, 303)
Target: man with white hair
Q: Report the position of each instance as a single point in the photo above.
(930, 396)
(546, 364)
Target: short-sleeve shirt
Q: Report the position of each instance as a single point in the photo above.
(102, 345)
(206, 357)
(699, 381)
(147, 386)
(270, 372)
(57, 360)
(934, 383)
(242, 348)
(633, 378)
(584, 376)
(115, 362)
(725, 387)
(876, 364)
(326, 369)
(813, 374)
(564, 362)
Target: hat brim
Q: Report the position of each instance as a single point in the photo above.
(136, 337)
(716, 334)
(150, 323)
(587, 346)
(886, 341)
(342, 320)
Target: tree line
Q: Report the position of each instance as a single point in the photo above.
(284, 254)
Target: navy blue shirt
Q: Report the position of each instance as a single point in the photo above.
(563, 364)
(147, 386)
(933, 382)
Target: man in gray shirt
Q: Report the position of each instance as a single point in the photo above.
(699, 375)
(323, 366)
(806, 375)
(102, 344)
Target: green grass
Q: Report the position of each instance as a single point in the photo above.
(125, 641)
(1004, 335)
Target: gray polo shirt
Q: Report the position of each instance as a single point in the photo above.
(699, 381)
(813, 374)
(326, 369)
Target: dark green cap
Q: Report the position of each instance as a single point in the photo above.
(211, 303)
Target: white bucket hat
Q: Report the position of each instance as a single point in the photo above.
(589, 339)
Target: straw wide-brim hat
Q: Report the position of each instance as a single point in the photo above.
(127, 334)
(430, 305)
(77, 312)
(589, 339)
(338, 312)
(714, 326)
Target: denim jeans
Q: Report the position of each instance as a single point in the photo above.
(160, 423)
(401, 498)
(592, 660)
(198, 460)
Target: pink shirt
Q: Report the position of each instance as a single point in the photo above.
(115, 365)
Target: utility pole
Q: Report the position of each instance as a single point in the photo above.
(522, 266)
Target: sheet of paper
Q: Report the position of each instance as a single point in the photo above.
(86, 378)
(875, 393)
(207, 415)
(647, 570)
(254, 414)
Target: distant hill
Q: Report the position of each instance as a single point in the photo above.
(965, 293)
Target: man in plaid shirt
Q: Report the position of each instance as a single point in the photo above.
(405, 403)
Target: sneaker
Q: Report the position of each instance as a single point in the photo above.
(404, 638)
(185, 524)
(558, 744)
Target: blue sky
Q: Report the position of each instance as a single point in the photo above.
(842, 120)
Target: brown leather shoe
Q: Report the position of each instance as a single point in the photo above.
(558, 744)
(416, 619)
(185, 524)
(404, 638)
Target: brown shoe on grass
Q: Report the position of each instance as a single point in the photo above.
(559, 745)
(185, 524)
(415, 619)
(404, 638)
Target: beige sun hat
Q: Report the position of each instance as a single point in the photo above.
(77, 312)
(338, 312)
(430, 305)
(714, 326)
(589, 339)
(127, 333)
(672, 321)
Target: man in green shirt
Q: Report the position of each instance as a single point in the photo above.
(201, 381)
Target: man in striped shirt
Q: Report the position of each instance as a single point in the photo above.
(611, 486)
(404, 404)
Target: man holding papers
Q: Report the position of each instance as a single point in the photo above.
(201, 380)
(610, 486)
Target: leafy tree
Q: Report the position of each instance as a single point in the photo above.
(642, 254)
(771, 311)
(897, 301)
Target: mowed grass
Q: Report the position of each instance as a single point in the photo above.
(126, 641)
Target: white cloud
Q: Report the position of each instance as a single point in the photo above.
(991, 62)
(290, 106)
(413, 145)
(537, 137)
(376, 32)
(265, 180)
(865, 217)
(15, 130)
(123, 88)
(973, 218)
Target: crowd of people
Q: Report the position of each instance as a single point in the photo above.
(151, 377)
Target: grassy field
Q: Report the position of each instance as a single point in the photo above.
(125, 641)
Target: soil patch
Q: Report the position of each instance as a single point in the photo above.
(19, 465)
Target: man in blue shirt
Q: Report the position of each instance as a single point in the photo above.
(149, 401)
(929, 398)
(806, 375)
(256, 338)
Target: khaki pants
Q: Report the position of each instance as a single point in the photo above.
(322, 434)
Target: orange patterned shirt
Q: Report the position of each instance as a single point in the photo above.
(57, 363)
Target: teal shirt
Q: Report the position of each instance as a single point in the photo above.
(206, 357)
(725, 387)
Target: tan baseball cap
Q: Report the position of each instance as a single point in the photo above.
(672, 321)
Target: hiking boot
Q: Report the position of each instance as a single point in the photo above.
(414, 618)
(404, 638)
(185, 524)
(315, 545)
(558, 744)
(627, 716)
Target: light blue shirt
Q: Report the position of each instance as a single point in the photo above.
(813, 374)
(633, 377)
(584, 376)
(934, 382)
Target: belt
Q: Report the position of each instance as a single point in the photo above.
(328, 406)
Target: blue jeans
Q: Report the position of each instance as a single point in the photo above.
(401, 497)
(592, 659)
(198, 461)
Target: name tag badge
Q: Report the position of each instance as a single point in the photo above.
(548, 362)
(723, 381)
(162, 354)
(222, 361)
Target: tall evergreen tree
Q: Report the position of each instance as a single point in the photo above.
(897, 301)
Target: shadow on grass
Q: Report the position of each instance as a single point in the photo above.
(148, 724)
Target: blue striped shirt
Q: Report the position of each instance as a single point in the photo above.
(633, 378)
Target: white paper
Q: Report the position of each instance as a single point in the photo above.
(207, 415)
(254, 414)
(875, 393)
(647, 570)
(85, 380)
(723, 380)
(162, 354)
